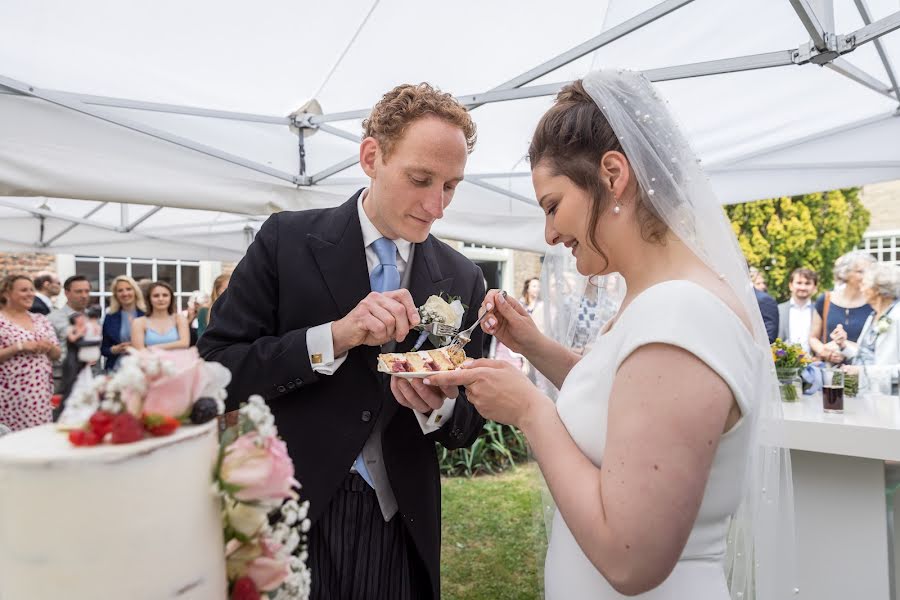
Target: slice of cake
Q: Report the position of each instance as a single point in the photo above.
(447, 358)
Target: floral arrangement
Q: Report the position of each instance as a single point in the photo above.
(789, 356)
(264, 524)
(789, 359)
(448, 311)
(152, 394)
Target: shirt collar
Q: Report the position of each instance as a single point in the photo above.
(370, 233)
(794, 303)
(44, 299)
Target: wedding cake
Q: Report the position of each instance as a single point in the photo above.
(137, 520)
(134, 495)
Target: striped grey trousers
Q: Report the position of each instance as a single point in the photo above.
(355, 555)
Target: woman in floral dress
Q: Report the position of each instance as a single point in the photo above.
(28, 344)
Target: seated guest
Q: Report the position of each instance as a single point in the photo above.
(767, 305)
(840, 314)
(125, 305)
(46, 288)
(795, 316)
(875, 357)
(161, 327)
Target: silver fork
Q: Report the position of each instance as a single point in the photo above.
(440, 329)
(465, 336)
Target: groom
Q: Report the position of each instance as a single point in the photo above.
(316, 298)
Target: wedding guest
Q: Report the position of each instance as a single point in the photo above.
(47, 287)
(843, 311)
(795, 316)
(28, 344)
(876, 355)
(219, 286)
(126, 304)
(768, 308)
(161, 326)
(77, 289)
(83, 339)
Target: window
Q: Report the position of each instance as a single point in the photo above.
(883, 246)
(182, 275)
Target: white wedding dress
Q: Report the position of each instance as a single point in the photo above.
(686, 315)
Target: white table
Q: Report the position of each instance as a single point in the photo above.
(839, 494)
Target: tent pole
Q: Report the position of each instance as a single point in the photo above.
(815, 29)
(176, 109)
(885, 60)
(848, 69)
(28, 90)
(500, 190)
(633, 24)
(143, 218)
(69, 228)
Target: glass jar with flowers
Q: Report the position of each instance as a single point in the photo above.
(789, 360)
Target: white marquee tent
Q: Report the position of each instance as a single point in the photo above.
(162, 129)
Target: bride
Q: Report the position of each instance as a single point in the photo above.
(654, 450)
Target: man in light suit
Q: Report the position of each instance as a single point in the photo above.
(316, 298)
(795, 315)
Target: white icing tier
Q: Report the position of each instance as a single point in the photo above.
(135, 521)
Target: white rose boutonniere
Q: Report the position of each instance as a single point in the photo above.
(448, 311)
(883, 324)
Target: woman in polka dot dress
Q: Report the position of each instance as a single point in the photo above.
(28, 344)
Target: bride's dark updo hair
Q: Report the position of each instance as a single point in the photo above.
(571, 139)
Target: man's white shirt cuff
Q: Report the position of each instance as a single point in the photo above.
(437, 418)
(320, 347)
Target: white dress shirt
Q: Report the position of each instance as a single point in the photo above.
(800, 322)
(319, 340)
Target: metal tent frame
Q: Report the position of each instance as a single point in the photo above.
(825, 48)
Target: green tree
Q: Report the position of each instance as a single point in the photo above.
(782, 234)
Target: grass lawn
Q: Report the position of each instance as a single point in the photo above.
(492, 545)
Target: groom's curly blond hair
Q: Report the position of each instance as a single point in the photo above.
(404, 104)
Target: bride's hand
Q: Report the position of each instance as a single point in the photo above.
(509, 322)
(497, 389)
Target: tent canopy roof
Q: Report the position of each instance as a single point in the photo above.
(785, 129)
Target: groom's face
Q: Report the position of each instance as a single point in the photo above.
(413, 184)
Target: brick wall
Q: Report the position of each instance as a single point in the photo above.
(29, 263)
(883, 201)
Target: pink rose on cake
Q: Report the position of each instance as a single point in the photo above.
(174, 394)
(261, 561)
(258, 468)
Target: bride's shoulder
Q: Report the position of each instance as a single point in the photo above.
(683, 302)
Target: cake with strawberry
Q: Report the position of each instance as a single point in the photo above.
(117, 501)
(447, 358)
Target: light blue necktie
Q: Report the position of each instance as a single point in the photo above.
(384, 278)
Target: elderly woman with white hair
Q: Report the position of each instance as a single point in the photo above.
(840, 315)
(876, 355)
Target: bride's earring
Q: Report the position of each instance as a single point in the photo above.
(616, 209)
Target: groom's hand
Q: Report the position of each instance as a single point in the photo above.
(377, 319)
(414, 394)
